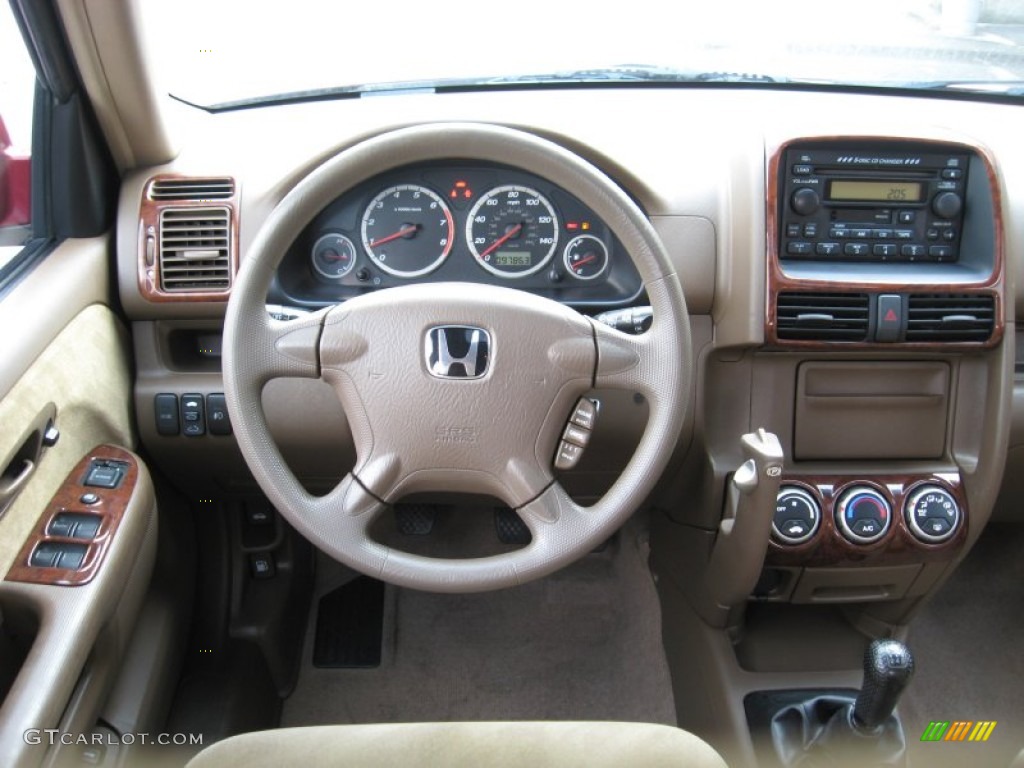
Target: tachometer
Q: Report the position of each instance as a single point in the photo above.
(512, 231)
(408, 230)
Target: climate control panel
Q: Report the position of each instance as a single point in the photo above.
(833, 520)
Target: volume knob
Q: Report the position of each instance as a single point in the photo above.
(947, 205)
(805, 201)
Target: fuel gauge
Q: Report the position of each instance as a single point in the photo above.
(586, 257)
(334, 256)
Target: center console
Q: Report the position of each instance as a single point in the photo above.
(882, 375)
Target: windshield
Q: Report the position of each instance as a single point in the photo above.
(213, 52)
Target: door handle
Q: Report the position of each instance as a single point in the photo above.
(19, 465)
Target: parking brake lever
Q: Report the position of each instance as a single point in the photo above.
(739, 549)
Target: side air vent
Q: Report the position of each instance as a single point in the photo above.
(199, 190)
(194, 249)
(935, 317)
(822, 316)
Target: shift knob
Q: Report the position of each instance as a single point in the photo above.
(888, 667)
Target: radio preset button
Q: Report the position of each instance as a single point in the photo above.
(798, 248)
(885, 250)
(941, 251)
(912, 251)
(857, 249)
(828, 249)
(805, 201)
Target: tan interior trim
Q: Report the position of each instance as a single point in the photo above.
(107, 40)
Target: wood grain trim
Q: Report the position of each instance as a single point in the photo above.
(778, 282)
(149, 216)
(828, 547)
(111, 509)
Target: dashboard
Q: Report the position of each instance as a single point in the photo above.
(457, 222)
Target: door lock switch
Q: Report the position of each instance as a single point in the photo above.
(105, 474)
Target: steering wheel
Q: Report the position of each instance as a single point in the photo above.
(496, 433)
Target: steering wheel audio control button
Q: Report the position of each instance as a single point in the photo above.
(863, 515)
(932, 514)
(797, 516)
(568, 455)
(585, 413)
(576, 435)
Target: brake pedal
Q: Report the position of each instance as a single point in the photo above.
(510, 527)
(415, 519)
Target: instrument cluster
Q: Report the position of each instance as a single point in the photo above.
(457, 222)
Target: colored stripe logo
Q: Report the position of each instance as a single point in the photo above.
(958, 730)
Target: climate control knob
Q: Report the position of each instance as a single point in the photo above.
(932, 514)
(797, 516)
(863, 515)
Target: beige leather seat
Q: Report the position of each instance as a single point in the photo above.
(469, 745)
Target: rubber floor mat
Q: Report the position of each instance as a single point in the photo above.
(350, 625)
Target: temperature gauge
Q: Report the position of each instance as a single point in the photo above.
(586, 257)
(334, 256)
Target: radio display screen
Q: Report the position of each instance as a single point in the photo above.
(880, 191)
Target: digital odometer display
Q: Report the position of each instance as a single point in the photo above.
(876, 191)
(512, 259)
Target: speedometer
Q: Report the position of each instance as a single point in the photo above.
(512, 231)
(408, 230)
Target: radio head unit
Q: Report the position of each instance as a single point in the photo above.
(872, 203)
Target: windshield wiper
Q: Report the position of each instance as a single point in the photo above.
(995, 87)
(626, 74)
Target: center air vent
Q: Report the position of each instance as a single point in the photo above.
(194, 249)
(199, 190)
(949, 317)
(822, 316)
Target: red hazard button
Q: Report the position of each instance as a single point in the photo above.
(889, 326)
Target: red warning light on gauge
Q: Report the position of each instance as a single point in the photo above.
(461, 189)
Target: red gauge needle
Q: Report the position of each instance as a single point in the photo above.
(333, 256)
(585, 260)
(501, 241)
(406, 230)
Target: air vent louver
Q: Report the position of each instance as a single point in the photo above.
(192, 189)
(949, 317)
(194, 249)
(822, 316)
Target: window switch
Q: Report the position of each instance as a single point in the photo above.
(45, 555)
(61, 525)
(71, 556)
(49, 554)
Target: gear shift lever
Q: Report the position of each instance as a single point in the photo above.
(836, 730)
(888, 667)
